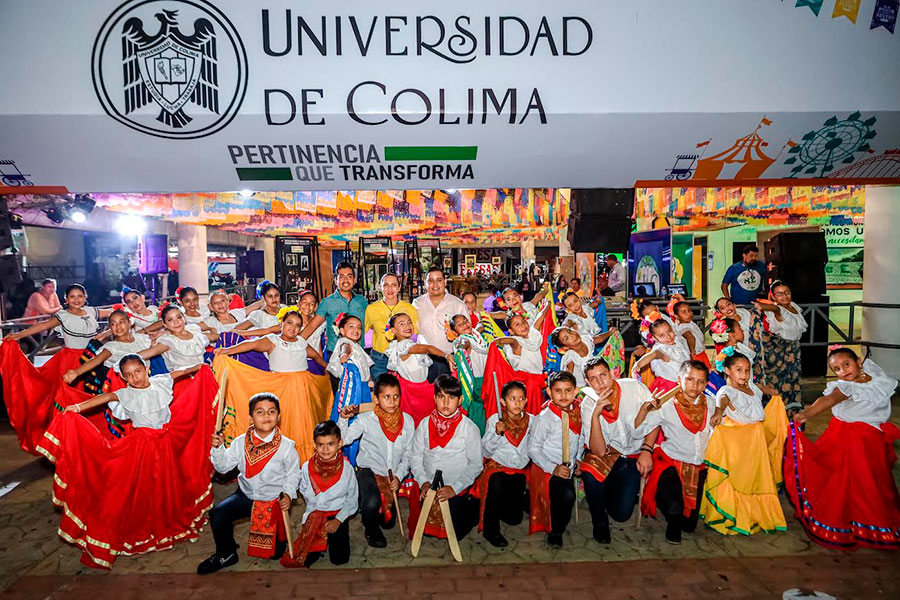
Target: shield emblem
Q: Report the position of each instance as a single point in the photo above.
(170, 70)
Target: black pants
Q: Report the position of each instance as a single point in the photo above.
(562, 500)
(339, 545)
(670, 499)
(439, 366)
(464, 509)
(504, 501)
(370, 501)
(222, 517)
(616, 496)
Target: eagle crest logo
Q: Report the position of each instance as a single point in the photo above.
(170, 68)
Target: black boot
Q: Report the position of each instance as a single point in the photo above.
(673, 531)
(496, 539)
(216, 562)
(375, 538)
(602, 534)
(555, 540)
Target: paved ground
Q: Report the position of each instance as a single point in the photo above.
(35, 563)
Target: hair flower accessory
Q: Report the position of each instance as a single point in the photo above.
(670, 307)
(719, 331)
(335, 327)
(259, 287)
(635, 313)
(721, 356)
(284, 311)
(178, 290)
(163, 306)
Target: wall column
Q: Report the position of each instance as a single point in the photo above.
(881, 274)
(192, 263)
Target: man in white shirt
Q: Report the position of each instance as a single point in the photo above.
(434, 308)
(616, 282)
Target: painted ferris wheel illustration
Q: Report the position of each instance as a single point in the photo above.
(836, 142)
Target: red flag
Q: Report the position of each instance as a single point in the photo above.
(547, 328)
(706, 143)
(498, 365)
(765, 121)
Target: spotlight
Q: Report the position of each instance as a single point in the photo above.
(83, 203)
(130, 225)
(246, 193)
(55, 214)
(77, 215)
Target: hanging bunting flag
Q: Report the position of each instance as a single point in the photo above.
(814, 5)
(846, 8)
(885, 14)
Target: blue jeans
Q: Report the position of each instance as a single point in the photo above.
(615, 496)
(380, 364)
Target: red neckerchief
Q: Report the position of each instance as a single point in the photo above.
(257, 453)
(574, 412)
(693, 416)
(441, 428)
(324, 474)
(391, 423)
(515, 429)
(612, 414)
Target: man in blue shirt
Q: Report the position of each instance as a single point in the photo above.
(744, 281)
(342, 300)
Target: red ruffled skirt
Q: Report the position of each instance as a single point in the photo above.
(143, 492)
(30, 392)
(662, 385)
(841, 485)
(498, 365)
(416, 399)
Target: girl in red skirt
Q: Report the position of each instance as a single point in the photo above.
(29, 391)
(841, 485)
(147, 490)
(669, 351)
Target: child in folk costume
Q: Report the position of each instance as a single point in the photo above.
(515, 306)
(405, 357)
(386, 436)
(329, 487)
(464, 337)
(576, 350)
(347, 349)
(182, 345)
(194, 312)
(147, 490)
(222, 318)
(782, 345)
(675, 484)
(125, 341)
(263, 320)
(690, 331)
(615, 455)
(841, 485)
(751, 321)
(29, 391)
(744, 455)
(447, 441)
(303, 403)
(580, 316)
(729, 332)
(550, 481)
(142, 314)
(525, 345)
(501, 486)
(268, 477)
(669, 351)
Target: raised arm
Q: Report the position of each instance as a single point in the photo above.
(154, 350)
(312, 326)
(259, 344)
(822, 404)
(36, 328)
(647, 359)
(316, 357)
(429, 349)
(73, 374)
(183, 372)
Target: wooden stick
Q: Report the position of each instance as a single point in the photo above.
(366, 407)
(287, 531)
(220, 401)
(451, 532)
(565, 438)
(396, 504)
(420, 524)
(640, 500)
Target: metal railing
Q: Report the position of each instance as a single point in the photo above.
(41, 343)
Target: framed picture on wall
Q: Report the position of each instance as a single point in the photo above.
(470, 261)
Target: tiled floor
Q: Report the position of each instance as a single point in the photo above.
(34, 562)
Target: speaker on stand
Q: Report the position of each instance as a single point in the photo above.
(600, 219)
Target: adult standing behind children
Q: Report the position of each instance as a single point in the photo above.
(743, 281)
(377, 316)
(342, 300)
(435, 307)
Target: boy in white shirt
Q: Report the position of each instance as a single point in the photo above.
(675, 484)
(383, 459)
(448, 441)
(268, 474)
(328, 485)
(501, 486)
(551, 487)
(615, 455)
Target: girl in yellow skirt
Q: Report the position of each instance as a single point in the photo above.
(744, 456)
(305, 398)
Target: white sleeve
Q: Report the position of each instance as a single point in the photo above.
(417, 454)
(474, 460)
(350, 432)
(409, 433)
(305, 488)
(291, 473)
(490, 441)
(536, 447)
(351, 498)
(225, 459)
(651, 421)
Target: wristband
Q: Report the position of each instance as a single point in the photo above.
(78, 408)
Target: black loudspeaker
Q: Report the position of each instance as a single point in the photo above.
(6, 240)
(797, 247)
(599, 234)
(251, 264)
(602, 202)
(806, 280)
(10, 272)
(154, 251)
